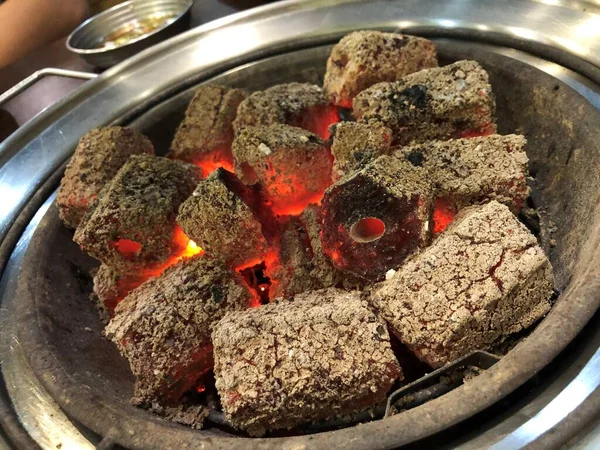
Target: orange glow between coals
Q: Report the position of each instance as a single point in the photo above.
(443, 215)
(270, 260)
(210, 166)
(183, 247)
(128, 248)
(328, 119)
(345, 102)
(319, 123)
(296, 207)
(218, 158)
(485, 130)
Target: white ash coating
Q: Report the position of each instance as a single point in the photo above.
(219, 221)
(356, 144)
(483, 279)
(440, 103)
(364, 58)
(320, 356)
(139, 204)
(282, 103)
(163, 327)
(466, 171)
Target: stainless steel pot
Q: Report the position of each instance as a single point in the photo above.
(559, 39)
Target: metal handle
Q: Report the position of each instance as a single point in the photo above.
(478, 358)
(34, 77)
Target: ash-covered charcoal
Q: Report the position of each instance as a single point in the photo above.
(204, 137)
(375, 218)
(482, 280)
(292, 165)
(291, 272)
(321, 356)
(356, 144)
(469, 171)
(301, 265)
(442, 103)
(364, 58)
(111, 287)
(297, 104)
(163, 327)
(133, 222)
(217, 218)
(101, 152)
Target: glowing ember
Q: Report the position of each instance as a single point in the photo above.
(290, 166)
(288, 193)
(254, 274)
(345, 103)
(443, 215)
(200, 388)
(193, 248)
(215, 159)
(184, 376)
(367, 230)
(320, 123)
(296, 207)
(183, 247)
(376, 217)
(128, 248)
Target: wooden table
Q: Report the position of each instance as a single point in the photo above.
(51, 89)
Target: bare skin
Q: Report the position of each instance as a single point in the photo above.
(26, 25)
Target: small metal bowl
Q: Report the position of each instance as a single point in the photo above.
(88, 38)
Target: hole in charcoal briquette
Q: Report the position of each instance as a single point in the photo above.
(368, 229)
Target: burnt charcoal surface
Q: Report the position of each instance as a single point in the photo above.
(320, 356)
(133, 221)
(356, 144)
(206, 133)
(301, 264)
(293, 271)
(163, 327)
(482, 280)
(217, 218)
(101, 152)
(364, 58)
(440, 103)
(301, 105)
(107, 290)
(322, 267)
(392, 192)
(466, 171)
(291, 165)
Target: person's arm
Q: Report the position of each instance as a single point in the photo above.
(29, 24)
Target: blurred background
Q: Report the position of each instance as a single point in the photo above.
(39, 42)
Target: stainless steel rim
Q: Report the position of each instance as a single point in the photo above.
(231, 41)
(120, 12)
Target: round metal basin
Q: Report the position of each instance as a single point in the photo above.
(59, 334)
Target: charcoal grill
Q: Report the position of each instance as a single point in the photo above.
(64, 384)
